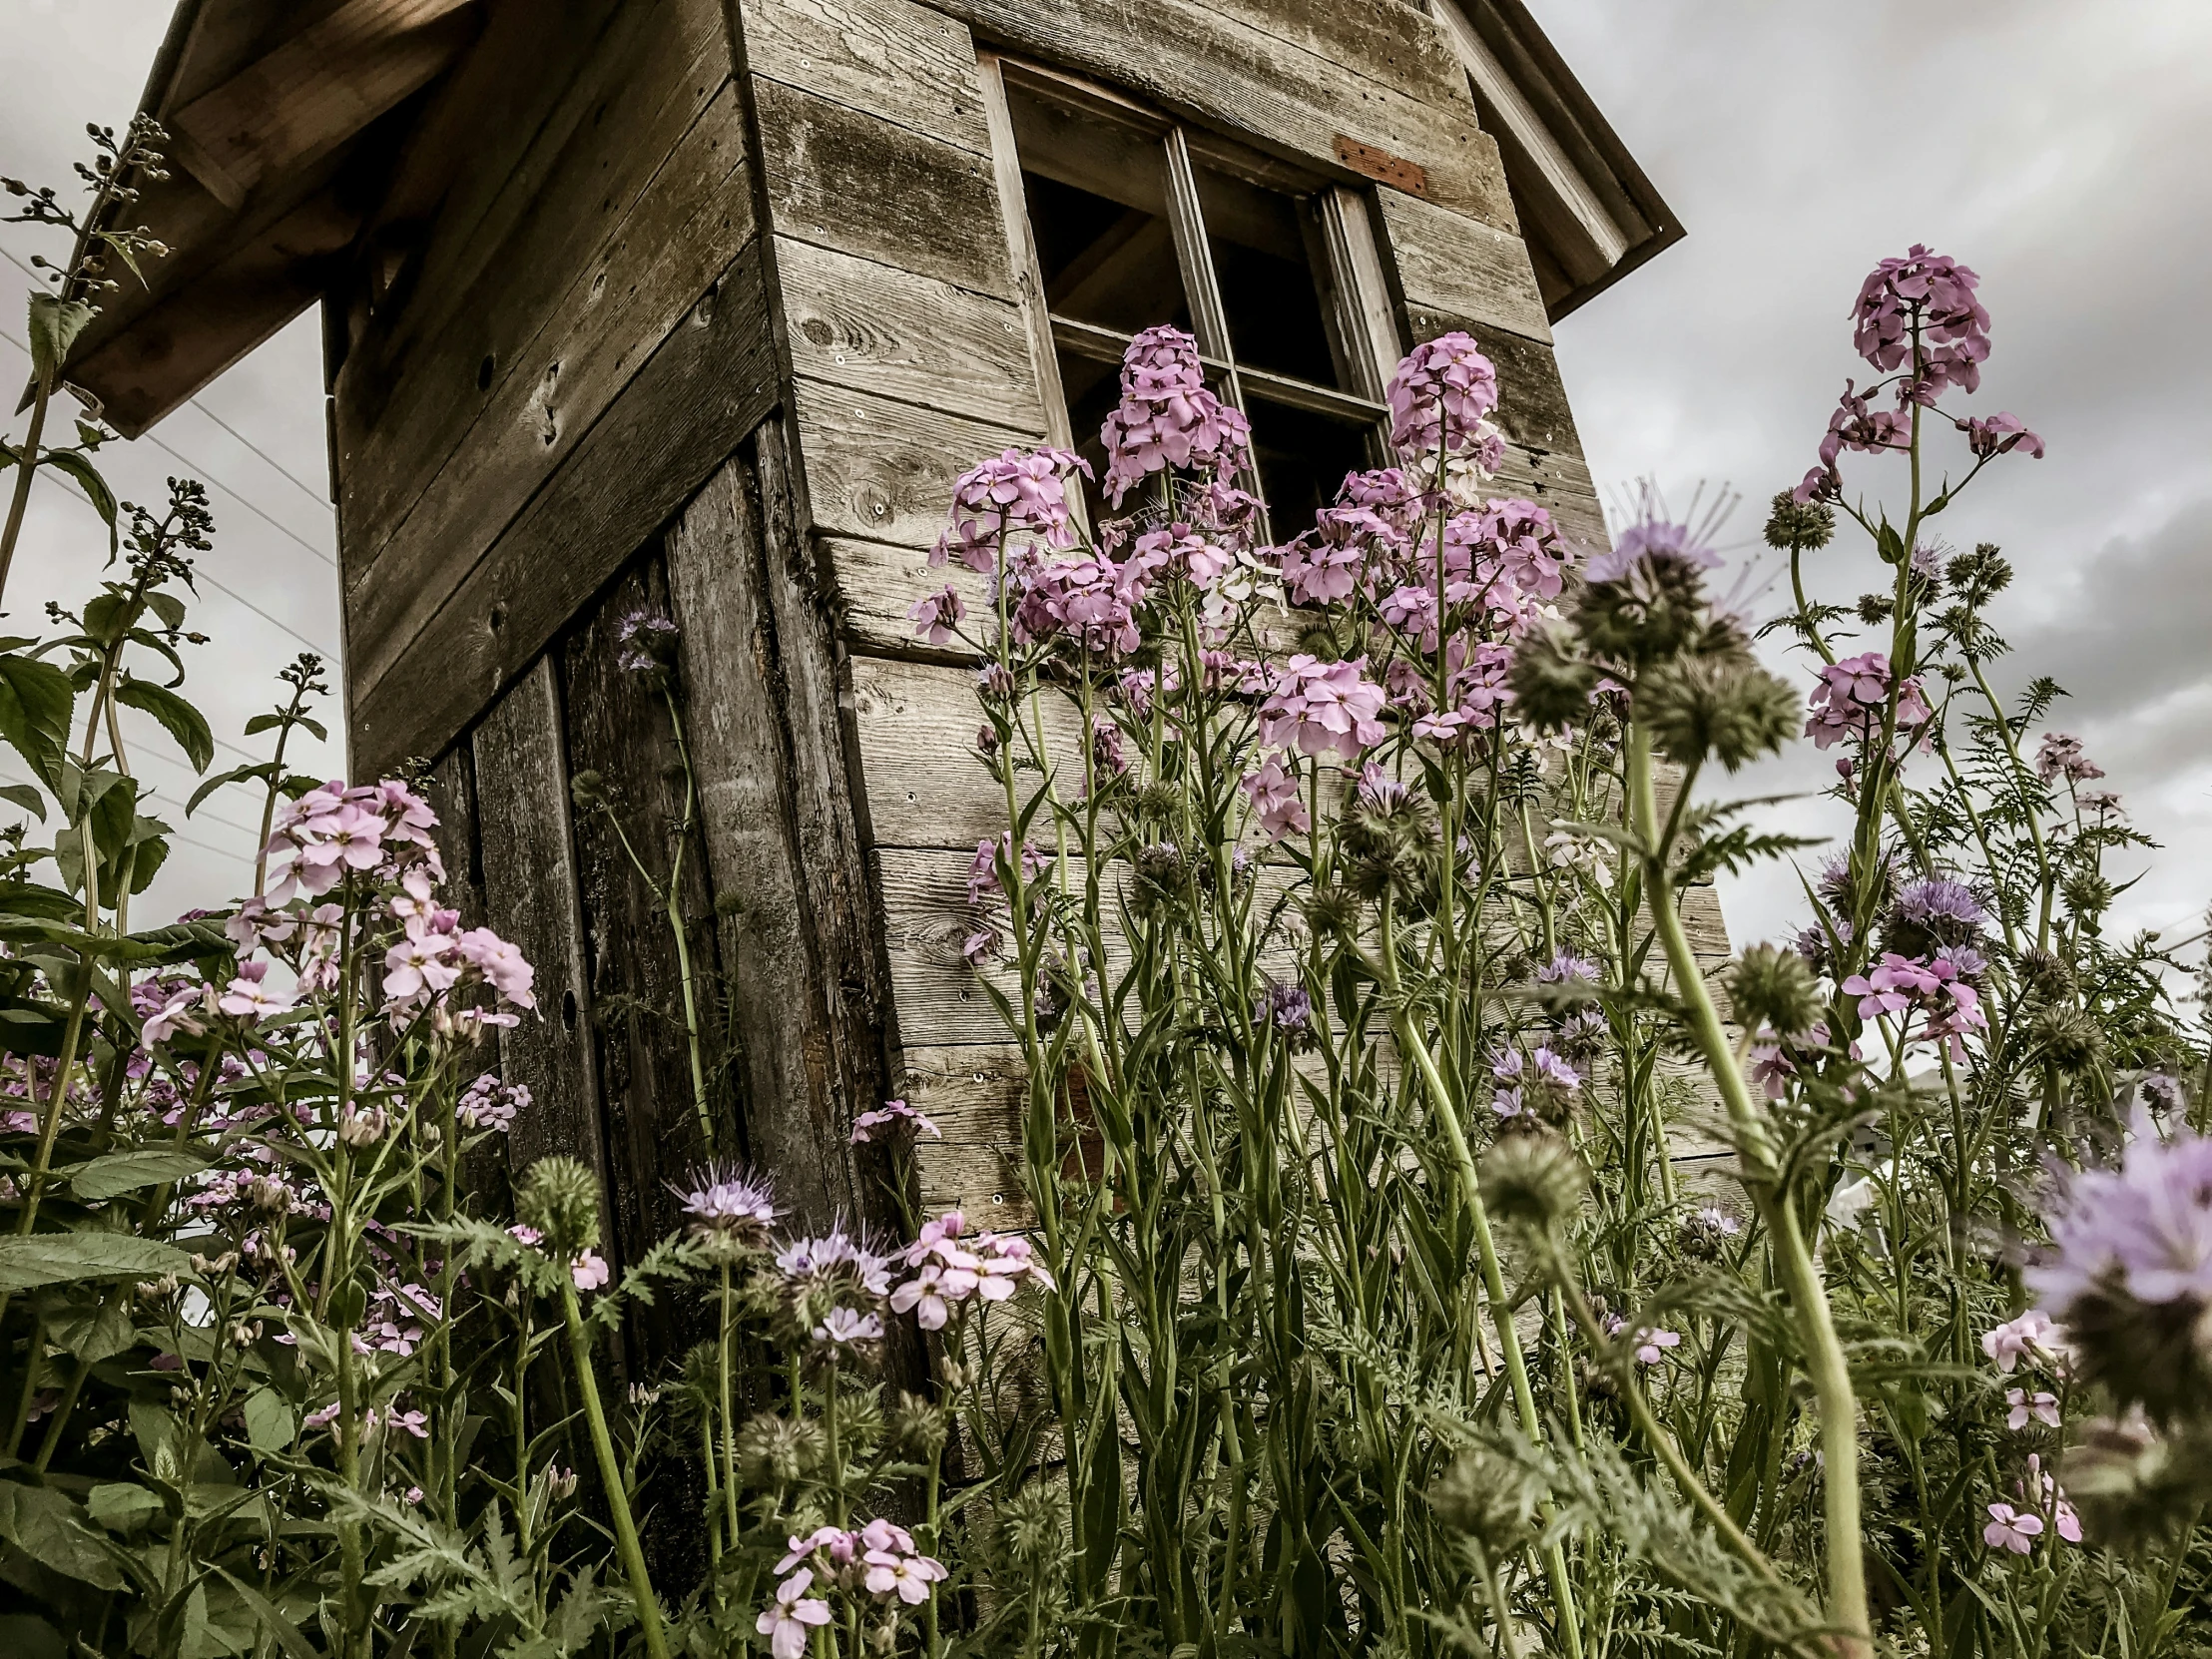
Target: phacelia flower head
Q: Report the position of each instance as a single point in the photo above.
(2129, 1276)
(648, 643)
(730, 1206)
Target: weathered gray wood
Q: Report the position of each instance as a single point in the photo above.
(688, 227)
(856, 323)
(605, 92)
(890, 58)
(617, 728)
(884, 470)
(701, 392)
(1532, 401)
(855, 182)
(1195, 59)
(742, 750)
(530, 899)
(1451, 262)
(927, 784)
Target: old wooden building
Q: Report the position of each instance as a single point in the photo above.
(697, 307)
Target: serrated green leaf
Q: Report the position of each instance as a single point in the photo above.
(95, 1330)
(30, 798)
(36, 702)
(124, 1172)
(72, 1258)
(168, 607)
(55, 323)
(182, 721)
(270, 1424)
(43, 1523)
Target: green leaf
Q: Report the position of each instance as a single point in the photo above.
(36, 701)
(27, 797)
(258, 771)
(168, 607)
(95, 1330)
(124, 1172)
(288, 1634)
(46, 1526)
(55, 324)
(182, 721)
(22, 899)
(120, 1507)
(70, 1258)
(95, 487)
(270, 1423)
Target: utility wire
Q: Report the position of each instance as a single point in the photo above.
(231, 490)
(321, 498)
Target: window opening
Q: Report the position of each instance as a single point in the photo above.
(1133, 221)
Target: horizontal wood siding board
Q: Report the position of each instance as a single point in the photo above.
(894, 59)
(702, 389)
(854, 182)
(585, 268)
(647, 280)
(927, 784)
(601, 93)
(884, 470)
(1449, 261)
(864, 325)
(1194, 60)
(1385, 41)
(1531, 397)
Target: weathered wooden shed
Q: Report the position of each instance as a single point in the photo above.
(701, 305)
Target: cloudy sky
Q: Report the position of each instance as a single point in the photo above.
(2057, 148)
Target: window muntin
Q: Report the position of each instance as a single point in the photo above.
(1134, 220)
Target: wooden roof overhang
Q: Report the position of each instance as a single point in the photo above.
(306, 131)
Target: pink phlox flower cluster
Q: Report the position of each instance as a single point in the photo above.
(1019, 494)
(1317, 571)
(1273, 794)
(2032, 1336)
(332, 830)
(879, 1559)
(1939, 986)
(984, 883)
(1086, 600)
(1320, 708)
(435, 955)
(2060, 756)
(2001, 434)
(1440, 397)
(883, 1117)
(2041, 1406)
(395, 1320)
(1937, 293)
(490, 1104)
(1176, 550)
(1386, 493)
(952, 1265)
(1167, 417)
(1520, 538)
(247, 997)
(1849, 698)
(2143, 1229)
(936, 616)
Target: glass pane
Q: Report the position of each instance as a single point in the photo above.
(1266, 260)
(1302, 457)
(1098, 207)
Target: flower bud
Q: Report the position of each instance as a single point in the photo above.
(2067, 1037)
(1534, 1182)
(1727, 707)
(1488, 1496)
(559, 1197)
(1774, 987)
(1552, 685)
(1801, 526)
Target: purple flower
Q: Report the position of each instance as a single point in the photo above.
(490, 1104)
(725, 1204)
(2012, 1529)
(787, 1623)
(1440, 395)
(1849, 698)
(1998, 435)
(2031, 1337)
(1567, 966)
(1943, 908)
(1653, 540)
(936, 616)
(982, 878)
(1323, 708)
(1273, 794)
(1167, 417)
(847, 1327)
(2041, 1406)
(891, 1111)
(1935, 293)
(1017, 494)
(2060, 756)
(2143, 1229)
(1285, 1007)
(1083, 600)
(648, 643)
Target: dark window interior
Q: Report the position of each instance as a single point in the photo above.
(1301, 456)
(1262, 245)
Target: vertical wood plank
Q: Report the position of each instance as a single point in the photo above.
(521, 767)
(617, 728)
(450, 788)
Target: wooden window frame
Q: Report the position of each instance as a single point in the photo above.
(1357, 306)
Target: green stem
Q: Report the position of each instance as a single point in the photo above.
(627, 1547)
